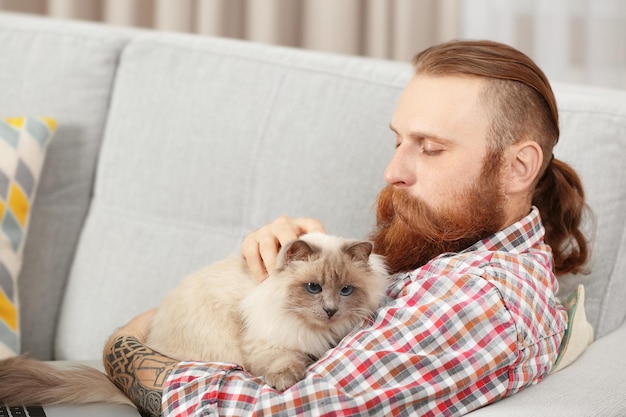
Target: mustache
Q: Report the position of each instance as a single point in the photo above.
(398, 205)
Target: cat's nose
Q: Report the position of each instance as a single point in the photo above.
(330, 311)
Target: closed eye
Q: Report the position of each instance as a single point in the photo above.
(431, 147)
(431, 143)
(431, 152)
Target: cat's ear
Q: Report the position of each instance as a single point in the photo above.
(298, 250)
(360, 251)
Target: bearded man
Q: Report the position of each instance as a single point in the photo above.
(476, 222)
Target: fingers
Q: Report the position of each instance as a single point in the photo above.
(260, 248)
(309, 225)
(252, 255)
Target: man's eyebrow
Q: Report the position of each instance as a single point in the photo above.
(423, 134)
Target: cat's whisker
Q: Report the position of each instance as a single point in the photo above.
(362, 314)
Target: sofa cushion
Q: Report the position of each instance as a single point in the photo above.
(593, 141)
(64, 70)
(23, 144)
(207, 140)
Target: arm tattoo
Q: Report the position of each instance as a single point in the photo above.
(139, 372)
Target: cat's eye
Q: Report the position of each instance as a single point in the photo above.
(346, 291)
(313, 287)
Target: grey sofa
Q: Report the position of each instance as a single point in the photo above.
(170, 148)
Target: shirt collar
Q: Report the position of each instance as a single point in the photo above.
(517, 238)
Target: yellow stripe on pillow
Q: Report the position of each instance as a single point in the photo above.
(16, 122)
(8, 312)
(52, 123)
(18, 202)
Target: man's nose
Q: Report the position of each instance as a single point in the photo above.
(401, 168)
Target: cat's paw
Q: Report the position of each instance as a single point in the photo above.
(285, 377)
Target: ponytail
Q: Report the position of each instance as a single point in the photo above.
(560, 198)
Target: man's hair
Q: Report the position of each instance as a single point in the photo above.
(522, 106)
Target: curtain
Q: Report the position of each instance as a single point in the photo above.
(579, 41)
(392, 29)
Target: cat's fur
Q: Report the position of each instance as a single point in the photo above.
(323, 286)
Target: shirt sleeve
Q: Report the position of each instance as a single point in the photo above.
(440, 346)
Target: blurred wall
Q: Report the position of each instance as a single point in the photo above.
(579, 41)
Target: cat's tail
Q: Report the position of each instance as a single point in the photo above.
(26, 381)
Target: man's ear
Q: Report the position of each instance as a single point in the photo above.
(525, 161)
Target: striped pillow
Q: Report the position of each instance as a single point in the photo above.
(23, 143)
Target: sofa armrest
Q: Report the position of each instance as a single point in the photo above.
(591, 386)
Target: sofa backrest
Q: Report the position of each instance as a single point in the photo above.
(206, 139)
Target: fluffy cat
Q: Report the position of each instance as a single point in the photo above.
(322, 288)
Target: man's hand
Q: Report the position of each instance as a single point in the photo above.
(261, 247)
(133, 367)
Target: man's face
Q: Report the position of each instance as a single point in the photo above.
(440, 197)
(441, 128)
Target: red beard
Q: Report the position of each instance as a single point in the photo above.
(409, 233)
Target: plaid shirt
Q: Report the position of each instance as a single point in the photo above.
(462, 331)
